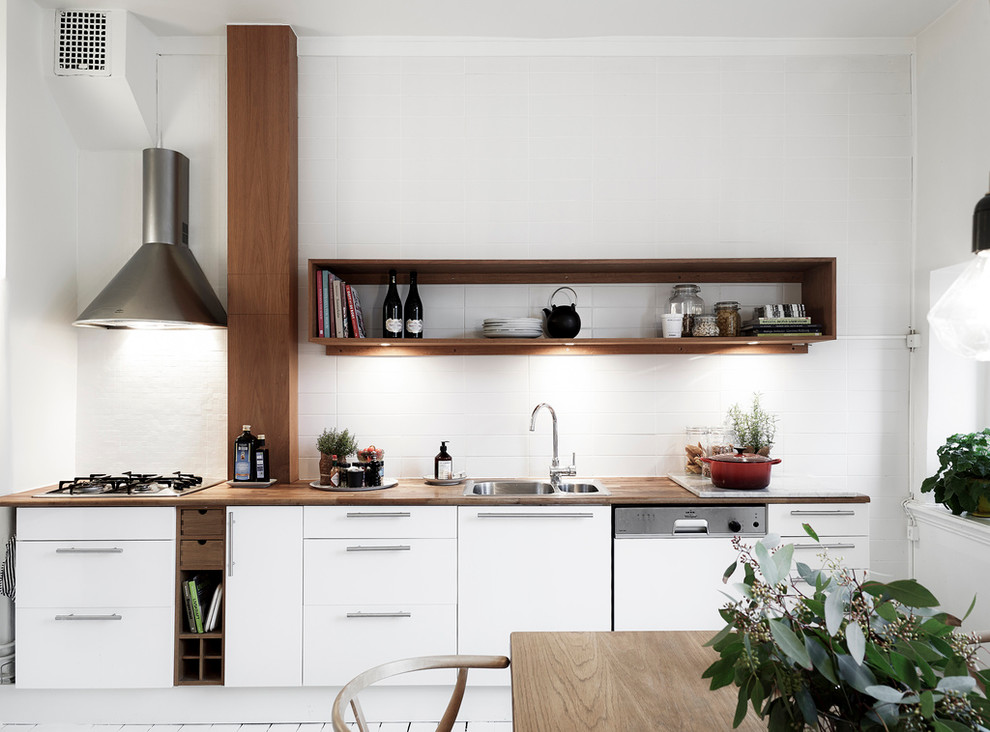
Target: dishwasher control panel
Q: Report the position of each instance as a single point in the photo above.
(658, 522)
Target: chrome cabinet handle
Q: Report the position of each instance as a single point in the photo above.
(823, 513)
(379, 514)
(824, 546)
(486, 514)
(89, 550)
(380, 615)
(391, 548)
(230, 544)
(73, 616)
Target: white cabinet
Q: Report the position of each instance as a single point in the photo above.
(263, 604)
(530, 568)
(843, 528)
(380, 585)
(95, 597)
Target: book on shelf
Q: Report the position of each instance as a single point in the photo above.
(213, 613)
(780, 310)
(782, 330)
(187, 599)
(199, 588)
(795, 320)
(783, 334)
(339, 321)
(319, 304)
(327, 297)
(354, 309)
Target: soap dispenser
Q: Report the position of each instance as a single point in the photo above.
(443, 464)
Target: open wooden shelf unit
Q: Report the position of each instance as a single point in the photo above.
(201, 551)
(815, 275)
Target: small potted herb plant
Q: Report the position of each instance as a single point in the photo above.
(962, 481)
(334, 444)
(843, 655)
(755, 430)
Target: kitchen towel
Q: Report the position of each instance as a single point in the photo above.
(7, 571)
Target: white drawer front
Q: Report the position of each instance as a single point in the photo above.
(94, 573)
(379, 571)
(343, 641)
(96, 522)
(827, 519)
(851, 551)
(345, 522)
(92, 649)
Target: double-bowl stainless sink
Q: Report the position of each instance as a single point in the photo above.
(533, 487)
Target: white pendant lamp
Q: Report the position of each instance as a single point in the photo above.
(961, 317)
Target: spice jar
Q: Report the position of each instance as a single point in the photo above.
(728, 318)
(686, 302)
(704, 326)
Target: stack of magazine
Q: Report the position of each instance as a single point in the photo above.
(202, 596)
(780, 319)
(338, 309)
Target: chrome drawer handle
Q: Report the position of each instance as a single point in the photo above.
(73, 616)
(393, 548)
(824, 546)
(823, 513)
(379, 514)
(484, 514)
(89, 550)
(230, 544)
(379, 615)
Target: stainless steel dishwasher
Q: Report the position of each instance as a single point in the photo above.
(668, 563)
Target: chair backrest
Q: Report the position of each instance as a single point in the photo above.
(348, 694)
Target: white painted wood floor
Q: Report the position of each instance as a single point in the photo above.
(306, 727)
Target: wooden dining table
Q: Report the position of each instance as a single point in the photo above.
(632, 681)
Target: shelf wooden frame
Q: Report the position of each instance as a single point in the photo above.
(816, 275)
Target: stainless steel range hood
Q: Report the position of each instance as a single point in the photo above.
(162, 285)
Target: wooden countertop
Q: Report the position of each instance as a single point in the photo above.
(618, 681)
(413, 491)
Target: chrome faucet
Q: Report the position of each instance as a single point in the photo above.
(555, 470)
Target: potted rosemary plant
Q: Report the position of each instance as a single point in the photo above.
(845, 655)
(962, 482)
(755, 430)
(334, 444)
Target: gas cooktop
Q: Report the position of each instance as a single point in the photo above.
(104, 485)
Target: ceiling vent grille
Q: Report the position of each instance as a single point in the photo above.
(82, 43)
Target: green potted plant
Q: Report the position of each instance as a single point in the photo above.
(334, 444)
(962, 481)
(755, 430)
(845, 655)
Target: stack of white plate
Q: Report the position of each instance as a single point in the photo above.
(513, 327)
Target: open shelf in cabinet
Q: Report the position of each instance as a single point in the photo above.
(201, 552)
(815, 275)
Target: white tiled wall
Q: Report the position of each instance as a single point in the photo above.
(598, 157)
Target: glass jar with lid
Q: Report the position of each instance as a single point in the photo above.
(704, 326)
(685, 301)
(728, 318)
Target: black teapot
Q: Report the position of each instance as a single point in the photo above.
(562, 320)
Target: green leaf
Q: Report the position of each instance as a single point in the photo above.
(925, 651)
(962, 684)
(807, 705)
(886, 694)
(782, 561)
(741, 702)
(821, 659)
(767, 566)
(757, 694)
(721, 634)
(729, 571)
(856, 641)
(971, 606)
(927, 704)
(905, 670)
(834, 611)
(887, 611)
(907, 592)
(857, 676)
(810, 532)
(789, 643)
(949, 725)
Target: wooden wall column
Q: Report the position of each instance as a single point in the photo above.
(262, 241)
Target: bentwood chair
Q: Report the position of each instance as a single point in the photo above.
(348, 694)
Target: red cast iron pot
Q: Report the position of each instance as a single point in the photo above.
(745, 471)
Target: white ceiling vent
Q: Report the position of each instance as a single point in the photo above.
(82, 43)
(103, 77)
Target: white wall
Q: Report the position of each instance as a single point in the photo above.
(40, 349)
(953, 166)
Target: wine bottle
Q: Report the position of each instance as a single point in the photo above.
(412, 311)
(244, 455)
(392, 310)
